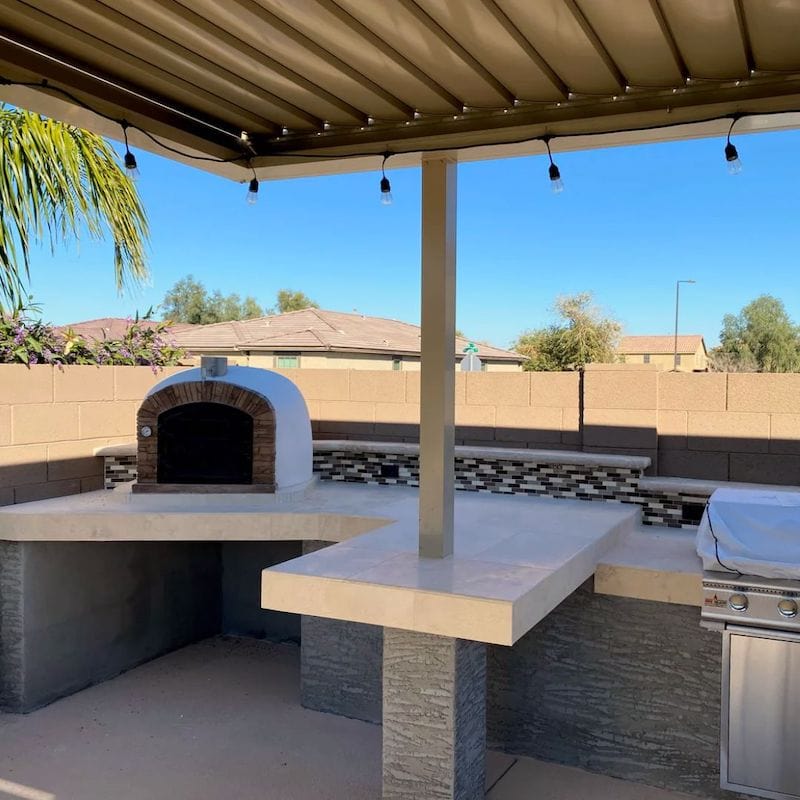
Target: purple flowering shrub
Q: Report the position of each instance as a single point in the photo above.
(27, 341)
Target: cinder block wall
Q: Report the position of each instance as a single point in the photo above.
(51, 420)
(521, 409)
(741, 427)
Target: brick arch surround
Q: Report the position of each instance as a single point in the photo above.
(178, 394)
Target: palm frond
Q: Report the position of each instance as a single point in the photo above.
(56, 182)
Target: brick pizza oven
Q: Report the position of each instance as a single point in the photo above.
(220, 429)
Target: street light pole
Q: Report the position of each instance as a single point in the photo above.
(677, 303)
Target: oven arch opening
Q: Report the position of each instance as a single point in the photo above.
(205, 443)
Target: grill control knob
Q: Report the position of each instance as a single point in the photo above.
(788, 608)
(738, 602)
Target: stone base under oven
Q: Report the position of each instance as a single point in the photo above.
(76, 613)
(203, 488)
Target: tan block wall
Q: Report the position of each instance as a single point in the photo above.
(51, 420)
(704, 425)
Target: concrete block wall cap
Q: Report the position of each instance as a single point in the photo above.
(624, 368)
(702, 487)
(497, 453)
(126, 449)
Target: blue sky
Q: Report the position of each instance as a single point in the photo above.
(630, 222)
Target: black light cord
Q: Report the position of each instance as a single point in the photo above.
(734, 119)
(716, 541)
(546, 140)
(245, 157)
(123, 123)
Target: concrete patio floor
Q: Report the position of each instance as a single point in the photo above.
(222, 718)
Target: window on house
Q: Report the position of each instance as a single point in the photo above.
(484, 366)
(397, 363)
(678, 360)
(647, 358)
(287, 361)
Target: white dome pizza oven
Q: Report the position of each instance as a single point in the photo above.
(223, 429)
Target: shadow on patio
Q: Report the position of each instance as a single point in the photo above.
(223, 718)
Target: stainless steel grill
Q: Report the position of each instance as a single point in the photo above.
(760, 722)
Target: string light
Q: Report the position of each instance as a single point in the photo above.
(252, 190)
(386, 187)
(131, 167)
(731, 153)
(556, 184)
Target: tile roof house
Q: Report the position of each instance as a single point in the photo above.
(111, 327)
(660, 350)
(314, 338)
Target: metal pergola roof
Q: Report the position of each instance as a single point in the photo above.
(313, 80)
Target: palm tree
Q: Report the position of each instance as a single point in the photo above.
(57, 181)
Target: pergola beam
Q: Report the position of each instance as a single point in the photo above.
(584, 116)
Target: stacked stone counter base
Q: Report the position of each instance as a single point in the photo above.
(434, 717)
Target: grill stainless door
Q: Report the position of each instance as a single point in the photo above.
(760, 747)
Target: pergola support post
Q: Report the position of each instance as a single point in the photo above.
(437, 382)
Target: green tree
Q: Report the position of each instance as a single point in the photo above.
(57, 180)
(582, 335)
(189, 301)
(289, 300)
(760, 338)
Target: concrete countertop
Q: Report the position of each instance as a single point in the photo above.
(651, 563)
(327, 511)
(516, 558)
(704, 488)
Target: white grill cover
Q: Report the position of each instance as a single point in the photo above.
(757, 532)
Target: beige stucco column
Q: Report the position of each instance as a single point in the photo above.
(437, 393)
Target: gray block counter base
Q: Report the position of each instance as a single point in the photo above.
(434, 717)
(76, 613)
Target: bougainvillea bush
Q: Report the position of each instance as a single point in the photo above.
(28, 341)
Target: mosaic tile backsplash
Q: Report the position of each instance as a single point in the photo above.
(498, 476)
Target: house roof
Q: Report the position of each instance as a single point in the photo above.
(111, 327)
(661, 344)
(331, 85)
(313, 329)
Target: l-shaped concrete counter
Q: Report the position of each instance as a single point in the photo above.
(517, 558)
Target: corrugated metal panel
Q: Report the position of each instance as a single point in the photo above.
(774, 29)
(347, 77)
(695, 25)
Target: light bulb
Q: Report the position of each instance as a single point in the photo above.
(131, 168)
(252, 192)
(556, 184)
(386, 192)
(732, 157)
